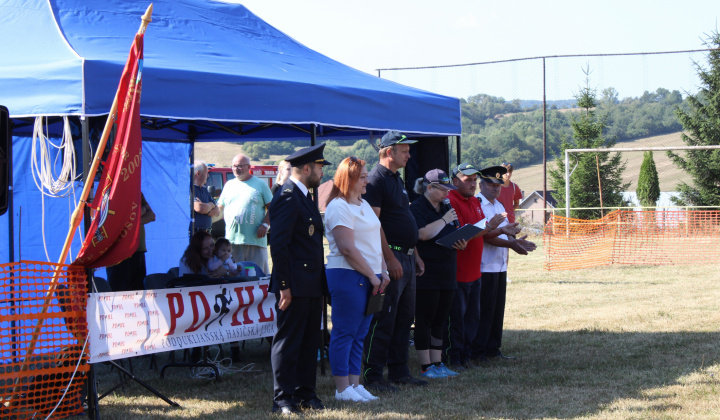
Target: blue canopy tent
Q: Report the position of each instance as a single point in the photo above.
(212, 72)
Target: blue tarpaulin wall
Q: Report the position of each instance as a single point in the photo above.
(165, 181)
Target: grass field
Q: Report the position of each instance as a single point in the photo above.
(632, 342)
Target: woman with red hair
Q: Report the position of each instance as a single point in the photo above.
(355, 269)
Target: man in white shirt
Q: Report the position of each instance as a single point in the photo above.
(488, 339)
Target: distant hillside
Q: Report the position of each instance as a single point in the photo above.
(531, 178)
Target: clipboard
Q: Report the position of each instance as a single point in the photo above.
(466, 232)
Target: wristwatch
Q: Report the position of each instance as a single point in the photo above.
(266, 226)
(386, 272)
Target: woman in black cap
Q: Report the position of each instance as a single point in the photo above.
(435, 288)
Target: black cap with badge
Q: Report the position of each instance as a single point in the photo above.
(393, 137)
(465, 169)
(493, 174)
(312, 154)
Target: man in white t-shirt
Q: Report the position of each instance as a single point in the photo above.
(488, 338)
(244, 202)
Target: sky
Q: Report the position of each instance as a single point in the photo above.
(373, 34)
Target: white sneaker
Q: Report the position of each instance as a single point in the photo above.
(349, 395)
(360, 390)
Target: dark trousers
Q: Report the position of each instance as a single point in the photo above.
(388, 338)
(129, 274)
(463, 322)
(294, 350)
(492, 313)
(432, 307)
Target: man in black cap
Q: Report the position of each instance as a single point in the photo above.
(493, 283)
(388, 339)
(298, 281)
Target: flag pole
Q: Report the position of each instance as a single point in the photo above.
(75, 221)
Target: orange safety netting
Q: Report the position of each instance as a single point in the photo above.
(633, 237)
(31, 385)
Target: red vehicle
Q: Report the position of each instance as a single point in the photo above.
(217, 177)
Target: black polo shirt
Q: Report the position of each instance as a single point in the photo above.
(440, 268)
(386, 190)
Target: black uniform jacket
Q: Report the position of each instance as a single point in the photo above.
(296, 244)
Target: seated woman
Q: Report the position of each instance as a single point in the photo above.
(197, 255)
(355, 269)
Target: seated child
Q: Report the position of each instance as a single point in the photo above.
(223, 256)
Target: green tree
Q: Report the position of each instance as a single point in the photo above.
(701, 122)
(588, 134)
(648, 188)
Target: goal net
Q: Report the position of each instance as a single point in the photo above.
(633, 237)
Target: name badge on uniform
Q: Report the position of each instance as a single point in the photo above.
(311, 230)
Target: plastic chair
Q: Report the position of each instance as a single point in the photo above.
(258, 270)
(175, 272)
(157, 280)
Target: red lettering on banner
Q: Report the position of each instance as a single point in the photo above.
(153, 313)
(140, 323)
(116, 307)
(141, 305)
(130, 315)
(261, 314)
(175, 311)
(154, 331)
(105, 317)
(196, 316)
(118, 325)
(118, 344)
(130, 333)
(106, 354)
(126, 351)
(105, 336)
(242, 304)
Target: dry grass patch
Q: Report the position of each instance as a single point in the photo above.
(636, 342)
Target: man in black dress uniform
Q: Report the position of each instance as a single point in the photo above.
(298, 281)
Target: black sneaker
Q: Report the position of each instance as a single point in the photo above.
(312, 404)
(380, 386)
(457, 367)
(409, 380)
(499, 355)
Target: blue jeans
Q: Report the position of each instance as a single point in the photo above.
(349, 292)
(388, 342)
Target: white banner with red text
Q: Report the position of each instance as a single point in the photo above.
(128, 324)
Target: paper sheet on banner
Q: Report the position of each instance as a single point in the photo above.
(128, 324)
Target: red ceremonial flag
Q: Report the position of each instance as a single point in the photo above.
(114, 232)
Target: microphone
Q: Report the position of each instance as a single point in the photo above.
(448, 206)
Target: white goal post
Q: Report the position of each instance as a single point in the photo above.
(618, 149)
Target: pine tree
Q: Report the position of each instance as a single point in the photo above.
(588, 130)
(702, 128)
(648, 188)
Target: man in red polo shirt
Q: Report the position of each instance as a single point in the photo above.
(465, 312)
